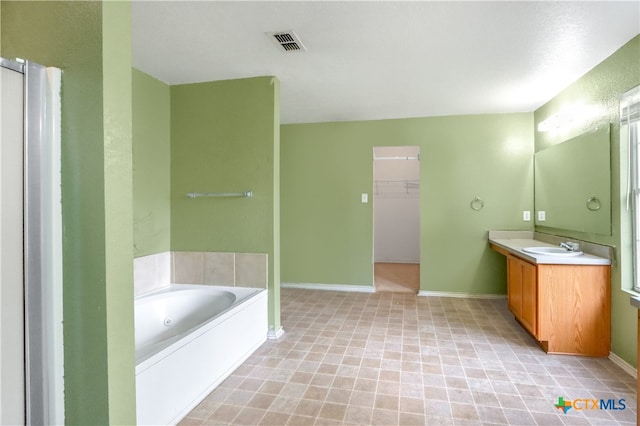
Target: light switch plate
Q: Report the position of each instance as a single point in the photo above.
(365, 198)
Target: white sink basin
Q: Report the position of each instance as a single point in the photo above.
(552, 251)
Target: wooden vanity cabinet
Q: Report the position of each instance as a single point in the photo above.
(567, 308)
(522, 292)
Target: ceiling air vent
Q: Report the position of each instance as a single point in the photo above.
(288, 41)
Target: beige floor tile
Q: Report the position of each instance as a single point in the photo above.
(190, 421)
(309, 408)
(274, 419)
(399, 359)
(333, 411)
(249, 416)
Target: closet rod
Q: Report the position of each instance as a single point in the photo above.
(247, 194)
(397, 158)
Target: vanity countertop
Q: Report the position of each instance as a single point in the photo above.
(515, 245)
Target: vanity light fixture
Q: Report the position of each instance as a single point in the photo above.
(550, 123)
(568, 118)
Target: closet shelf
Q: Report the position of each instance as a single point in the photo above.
(397, 188)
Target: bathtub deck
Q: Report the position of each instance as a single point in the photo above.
(169, 386)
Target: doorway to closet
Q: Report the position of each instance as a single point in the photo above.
(396, 219)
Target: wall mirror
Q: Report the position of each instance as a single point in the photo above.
(572, 184)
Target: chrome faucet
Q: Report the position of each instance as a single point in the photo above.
(571, 246)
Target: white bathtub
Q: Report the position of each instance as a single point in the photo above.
(189, 338)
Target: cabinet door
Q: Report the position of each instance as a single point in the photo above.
(574, 313)
(514, 286)
(529, 297)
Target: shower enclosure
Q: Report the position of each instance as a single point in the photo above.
(31, 354)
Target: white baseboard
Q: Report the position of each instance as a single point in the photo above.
(371, 289)
(623, 364)
(331, 287)
(275, 334)
(427, 293)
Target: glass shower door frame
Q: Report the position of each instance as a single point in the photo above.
(44, 369)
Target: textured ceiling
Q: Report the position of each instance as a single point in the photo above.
(385, 59)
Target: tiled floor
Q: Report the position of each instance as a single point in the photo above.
(389, 359)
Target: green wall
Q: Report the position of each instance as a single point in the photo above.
(327, 233)
(224, 138)
(90, 42)
(151, 165)
(601, 87)
(118, 194)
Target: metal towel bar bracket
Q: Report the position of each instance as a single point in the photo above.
(247, 194)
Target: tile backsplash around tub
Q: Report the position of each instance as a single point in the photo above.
(215, 268)
(151, 272)
(211, 268)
